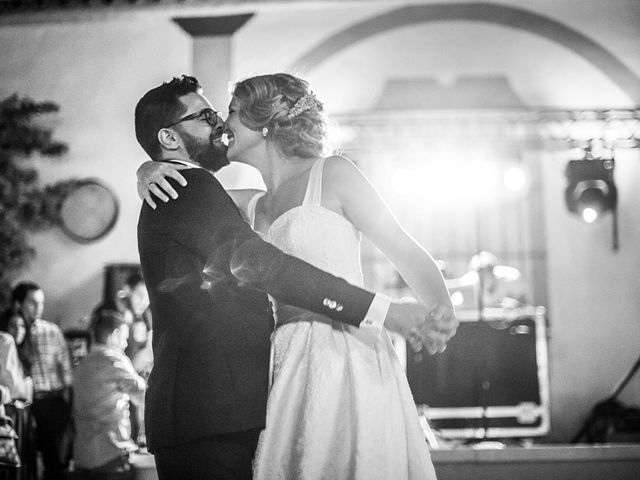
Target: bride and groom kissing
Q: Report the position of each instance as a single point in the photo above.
(336, 403)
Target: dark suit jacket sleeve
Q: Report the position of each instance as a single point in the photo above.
(205, 219)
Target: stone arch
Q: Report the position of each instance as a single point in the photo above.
(601, 58)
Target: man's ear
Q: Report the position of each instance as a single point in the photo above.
(168, 139)
(114, 338)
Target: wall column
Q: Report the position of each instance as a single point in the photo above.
(212, 44)
(212, 65)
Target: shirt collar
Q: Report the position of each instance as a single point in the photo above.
(101, 347)
(186, 163)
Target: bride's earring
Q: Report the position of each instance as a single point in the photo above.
(265, 131)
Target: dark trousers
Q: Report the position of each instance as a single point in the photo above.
(53, 434)
(220, 457)
(24, 425)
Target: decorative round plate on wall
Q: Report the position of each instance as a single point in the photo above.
(89, 211)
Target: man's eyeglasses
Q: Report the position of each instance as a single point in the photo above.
(208, 114)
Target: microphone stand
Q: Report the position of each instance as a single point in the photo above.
(481, 355)
(482, 369)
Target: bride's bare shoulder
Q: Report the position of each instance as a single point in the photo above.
(340, 171)
(339, 166)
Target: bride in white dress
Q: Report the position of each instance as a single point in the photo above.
(340, 406)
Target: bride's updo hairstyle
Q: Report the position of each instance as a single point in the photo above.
(289, 110)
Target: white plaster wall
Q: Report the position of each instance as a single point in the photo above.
(593, 298)
(96, 71)
(96, 67)
(353, 78)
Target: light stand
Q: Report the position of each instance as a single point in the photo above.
(615, 245)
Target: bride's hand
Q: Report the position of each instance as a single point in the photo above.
(152, 179)
(431, 328)
(440, 327)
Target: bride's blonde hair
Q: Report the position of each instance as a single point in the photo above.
(286, 106)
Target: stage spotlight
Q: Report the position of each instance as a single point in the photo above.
(590, 190)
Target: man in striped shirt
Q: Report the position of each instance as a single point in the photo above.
(52, 378)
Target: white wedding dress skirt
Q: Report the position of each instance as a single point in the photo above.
(340, 406)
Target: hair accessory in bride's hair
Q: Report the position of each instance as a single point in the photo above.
(304, 103)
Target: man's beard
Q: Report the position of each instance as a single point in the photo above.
(206, 153)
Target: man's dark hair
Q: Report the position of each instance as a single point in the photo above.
(160, 107)
(26, 348)
(6, 316)
(104, 320)
(21, 290)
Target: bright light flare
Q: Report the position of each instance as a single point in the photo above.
(515, 179)
(478, 181)
(457, 298)
(406, 182)
(589, 215)
(453, 182)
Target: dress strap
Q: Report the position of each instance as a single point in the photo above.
(313, 196)
(251, 208)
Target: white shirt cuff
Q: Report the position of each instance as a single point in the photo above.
(376, 315)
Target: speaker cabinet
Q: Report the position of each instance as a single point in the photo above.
(491, 381)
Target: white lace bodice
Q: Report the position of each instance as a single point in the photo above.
(316, 234)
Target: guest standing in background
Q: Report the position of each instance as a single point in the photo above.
(12, 371)
(135, 302)
(17, 387)
(52, 380)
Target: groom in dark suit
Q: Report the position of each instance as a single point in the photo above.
(207, 273)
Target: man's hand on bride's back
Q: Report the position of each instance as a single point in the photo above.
(152, 181)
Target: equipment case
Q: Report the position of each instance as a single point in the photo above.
(491, 381)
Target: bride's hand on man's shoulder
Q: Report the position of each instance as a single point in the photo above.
(152, 181)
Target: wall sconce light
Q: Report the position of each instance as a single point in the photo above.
(591, 190)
